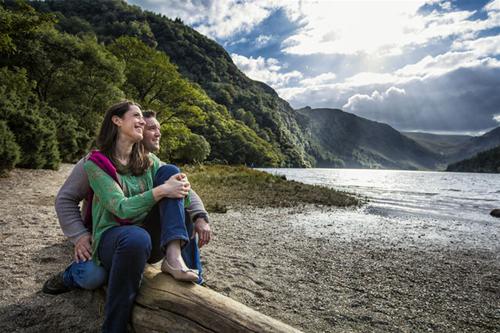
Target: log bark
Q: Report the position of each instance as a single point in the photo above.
(167, 305)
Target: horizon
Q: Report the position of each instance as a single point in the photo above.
(431, 66)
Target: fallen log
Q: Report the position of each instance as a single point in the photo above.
(167, 305)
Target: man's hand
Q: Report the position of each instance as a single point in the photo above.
(202, 228)
(83, 249)
(177, 186)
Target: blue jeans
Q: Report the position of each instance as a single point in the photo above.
(124, 251)
(85, 275)
(190, 251)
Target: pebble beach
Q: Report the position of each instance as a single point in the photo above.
(319, 269)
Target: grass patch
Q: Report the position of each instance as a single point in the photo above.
(221, 186)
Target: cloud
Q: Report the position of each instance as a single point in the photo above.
(463, 54)
(445, 5)
(332, 27)
(325, 78)
(214, 18)
(262, 40)
(456, 91)
(486, 46)
(361, 102)
(235, 42)
(369, 78)
(355, 27)
(265, 70)
(493, 6)
(336, 28)
(453, 90)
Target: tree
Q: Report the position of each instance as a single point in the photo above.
(155, 83)
(75, 78)
(34, 133)
(9, 149)
(20, 24)
(195, 150)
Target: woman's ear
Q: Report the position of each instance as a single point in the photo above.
(116, 120)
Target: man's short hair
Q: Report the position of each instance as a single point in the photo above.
(149, 114)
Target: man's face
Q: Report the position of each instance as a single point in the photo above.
(151, 135)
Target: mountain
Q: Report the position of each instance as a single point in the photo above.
(486, 161)
(453, 148)
(443, 145)
(359, 142)
(476, 145)
(197, 58)
(291, 138)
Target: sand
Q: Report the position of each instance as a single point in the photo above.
(318, 269)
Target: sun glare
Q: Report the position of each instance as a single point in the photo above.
(348, 27)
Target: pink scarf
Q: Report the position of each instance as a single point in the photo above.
(107, 166)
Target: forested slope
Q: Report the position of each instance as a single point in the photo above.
(486, 161)
(56, 86)
(198, 59)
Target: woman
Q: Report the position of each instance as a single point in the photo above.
(127, 183)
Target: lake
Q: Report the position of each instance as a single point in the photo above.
(437, 207)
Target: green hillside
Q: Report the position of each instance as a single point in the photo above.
(454, 148)
(443, 145)
(359, 142)
(56, 86)
(487, 161)
(476, 145)
(198, 59)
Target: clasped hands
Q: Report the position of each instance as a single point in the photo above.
(176, 187)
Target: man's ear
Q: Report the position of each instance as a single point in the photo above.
(116, 120)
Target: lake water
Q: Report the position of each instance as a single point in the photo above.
(448, 206)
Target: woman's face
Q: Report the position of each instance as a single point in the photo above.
(131, 124)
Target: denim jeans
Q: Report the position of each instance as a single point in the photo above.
(85, 275)
(190, 251)
(124, 251)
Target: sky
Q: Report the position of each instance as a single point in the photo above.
(431, 66)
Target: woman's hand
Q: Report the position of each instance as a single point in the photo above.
(176, 187)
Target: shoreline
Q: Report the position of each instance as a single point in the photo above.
(311, 274)
(328, 282)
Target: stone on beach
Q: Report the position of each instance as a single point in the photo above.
(495, 212)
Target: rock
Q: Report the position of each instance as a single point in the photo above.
(495, 213)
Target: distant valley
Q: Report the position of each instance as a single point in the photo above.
(355, 142)
(455, 148)
(361, 143)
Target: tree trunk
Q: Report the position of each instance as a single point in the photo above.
(167, 305)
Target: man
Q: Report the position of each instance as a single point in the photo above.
(84, 273)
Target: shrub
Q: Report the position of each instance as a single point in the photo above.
(36, 137)
(196, 150)
(9, 149)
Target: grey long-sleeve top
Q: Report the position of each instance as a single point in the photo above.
(75, 189)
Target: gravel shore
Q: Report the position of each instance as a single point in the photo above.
(318, 269)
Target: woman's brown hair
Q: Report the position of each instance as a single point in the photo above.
(139, 161)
